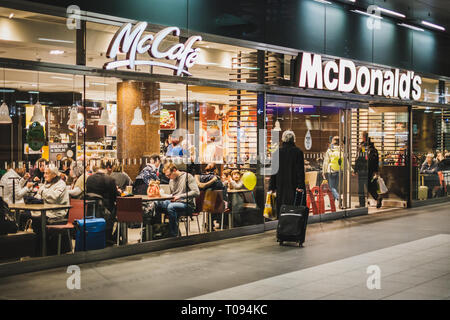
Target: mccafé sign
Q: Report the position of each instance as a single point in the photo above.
(130, 40)
(342, 75)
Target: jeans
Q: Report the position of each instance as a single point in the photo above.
(174, 210)
(364, 181)
(333, 178)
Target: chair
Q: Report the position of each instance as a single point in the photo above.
(442, 182)
(219, 207)
(129, 210)
(75, 213)
(196, 213)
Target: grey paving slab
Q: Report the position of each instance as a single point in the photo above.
(403, 243)
(353, 281)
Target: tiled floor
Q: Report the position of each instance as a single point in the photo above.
(411, 247)
(422, 276)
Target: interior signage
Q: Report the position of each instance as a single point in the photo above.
(344, 76)
(131, 41)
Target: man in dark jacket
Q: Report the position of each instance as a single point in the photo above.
(290, 177)
(367, 168)
(102, 184)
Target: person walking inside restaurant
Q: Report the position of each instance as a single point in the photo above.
(332, 166)
(367, 168)
(155, 159)
(290, 177)
(183, 189)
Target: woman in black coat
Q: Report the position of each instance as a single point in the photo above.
(290, 177)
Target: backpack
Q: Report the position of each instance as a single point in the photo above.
(7, 222)
(335, 160)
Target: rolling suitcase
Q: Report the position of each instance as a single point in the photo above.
(292, 223)
(423, 192)
(95, 234)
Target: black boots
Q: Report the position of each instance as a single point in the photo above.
(379, 201)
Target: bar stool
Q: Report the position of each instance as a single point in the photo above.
(129, 210)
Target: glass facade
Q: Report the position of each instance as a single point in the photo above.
(117, 160)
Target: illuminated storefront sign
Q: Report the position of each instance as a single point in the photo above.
(343, 75)
(130, 40)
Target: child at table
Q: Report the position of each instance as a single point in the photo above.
(235, 183)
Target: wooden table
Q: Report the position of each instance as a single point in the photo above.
(43, 208)
(147, 198)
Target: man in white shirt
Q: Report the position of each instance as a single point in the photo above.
(13, 180)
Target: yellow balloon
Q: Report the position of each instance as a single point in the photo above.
(249, 180)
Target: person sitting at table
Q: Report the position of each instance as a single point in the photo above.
(155, 159)
(146, 174)
(226, 174)
(19, 178)
(184, 189)
(102, 184)
(209, 179)
(235, 182)
(444, 162)
(53, 191)
(38, 172)
(121, 178)
(66, 164)
(431, 179)
(78, 181)
(430, 165)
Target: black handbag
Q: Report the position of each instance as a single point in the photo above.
(7, 222)
(32, 200)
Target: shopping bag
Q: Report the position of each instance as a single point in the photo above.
(382, 189)
(153, 189)
(209, 201)
(268, 206)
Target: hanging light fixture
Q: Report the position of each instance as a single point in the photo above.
(38, 116)
(137, 119)
(73, 119)
(277, 126)
(104, 118)
(4, 111)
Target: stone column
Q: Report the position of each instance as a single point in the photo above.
(135, 141)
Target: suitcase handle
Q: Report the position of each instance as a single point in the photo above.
(295, 198)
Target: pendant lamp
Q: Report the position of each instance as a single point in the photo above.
(4, 111)
(277, 126)
(38, 116)
(4, 114)
(104, 118)
(73, 119)
(137, 119)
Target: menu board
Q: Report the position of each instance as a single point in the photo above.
(168, 120)
(93, 131)
(58, 151)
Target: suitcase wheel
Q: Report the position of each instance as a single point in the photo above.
(281, 243)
